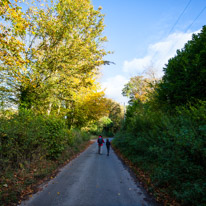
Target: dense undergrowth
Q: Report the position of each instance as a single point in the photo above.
(169, 147)
(31, 148)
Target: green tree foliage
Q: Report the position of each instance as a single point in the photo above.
(104, 126)
(185, 75)
(115, 113)
(111, 121)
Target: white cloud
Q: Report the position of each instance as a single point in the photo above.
(113, 88)
(158, 54)
(137, 65)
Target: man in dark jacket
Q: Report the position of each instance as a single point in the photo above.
(108, 146)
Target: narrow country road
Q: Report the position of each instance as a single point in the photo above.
(92, 180)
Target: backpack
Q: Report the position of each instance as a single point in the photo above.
(100, 140)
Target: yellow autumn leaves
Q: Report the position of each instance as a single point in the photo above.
(50, 58)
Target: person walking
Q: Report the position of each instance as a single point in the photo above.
(100, 142)
(108, 144)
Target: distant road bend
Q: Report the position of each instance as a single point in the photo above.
(92, 180)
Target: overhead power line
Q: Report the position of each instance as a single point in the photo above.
(190, 26)
(180, 16)
(199, 14)
(195, 19)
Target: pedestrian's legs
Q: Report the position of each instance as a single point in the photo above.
(99, 149)
(108, 151)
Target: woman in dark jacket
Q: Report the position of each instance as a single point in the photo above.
(100, 142)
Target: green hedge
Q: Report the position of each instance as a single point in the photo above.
(172, 148)
(24, 135)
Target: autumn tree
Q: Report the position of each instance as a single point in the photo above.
(138, 88)
(12, 28)
(57, 52)
(115, 113)
(89, 106)
(71, 48)
(110, 118)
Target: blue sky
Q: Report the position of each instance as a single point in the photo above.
(144, 34)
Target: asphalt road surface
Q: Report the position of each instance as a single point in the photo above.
(92, 180)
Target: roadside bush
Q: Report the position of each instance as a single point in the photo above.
(31, 148)
(25, 134)
(77, 136)
(171, 148)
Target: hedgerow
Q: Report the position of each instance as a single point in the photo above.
(170, 147)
